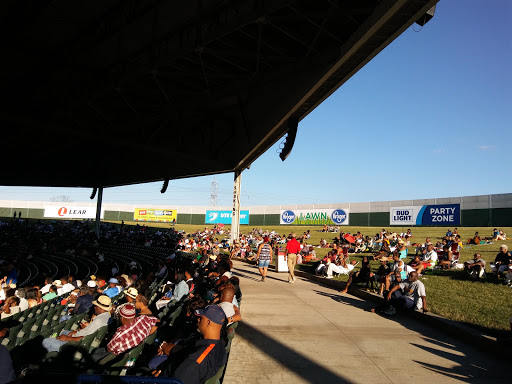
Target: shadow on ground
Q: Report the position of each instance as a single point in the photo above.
(303, 366)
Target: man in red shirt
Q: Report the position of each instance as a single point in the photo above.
(290, 255)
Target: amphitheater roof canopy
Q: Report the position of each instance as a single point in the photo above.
(115, 92)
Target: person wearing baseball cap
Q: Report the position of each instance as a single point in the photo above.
(133, 331)
(113, 288)
(102, 308)
(84, 301)
(209, 353)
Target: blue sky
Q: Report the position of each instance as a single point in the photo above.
(430, 116)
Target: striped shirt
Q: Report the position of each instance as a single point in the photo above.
(130, 335)
(265, 252)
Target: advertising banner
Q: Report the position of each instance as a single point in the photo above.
(70, 212)
(145, 214)
(224, 217)
(441, 214)
(327, 216)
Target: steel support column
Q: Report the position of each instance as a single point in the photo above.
(98, 210)
(235, 221)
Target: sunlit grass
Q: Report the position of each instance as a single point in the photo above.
(486, 304)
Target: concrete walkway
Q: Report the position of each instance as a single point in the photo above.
(307, 333)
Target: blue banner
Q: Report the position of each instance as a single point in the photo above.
(446, 214)
(224, 217)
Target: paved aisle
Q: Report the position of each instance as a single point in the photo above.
(307, 333)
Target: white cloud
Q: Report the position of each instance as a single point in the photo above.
(486, 147)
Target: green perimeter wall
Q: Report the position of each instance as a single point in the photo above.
(495, 217)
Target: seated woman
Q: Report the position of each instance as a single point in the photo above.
(475, 240)
(397, 266)
(384, 251)
(380, 276)
(416, 264)
(446, 259)
(360, 247)
(499, 235)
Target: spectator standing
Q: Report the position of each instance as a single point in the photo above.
(264, 257)
(290, 255)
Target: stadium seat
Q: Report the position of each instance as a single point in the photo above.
(100, 335)
(216, 378)
(13, 333)
(175, 315)
(24, 332)
(17, 316)
(150, 339)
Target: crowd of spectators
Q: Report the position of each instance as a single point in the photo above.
(182, 311)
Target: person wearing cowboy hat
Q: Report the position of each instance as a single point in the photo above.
(102, 308)
(133, 297)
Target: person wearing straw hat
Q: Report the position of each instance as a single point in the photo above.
(102, 308)
(133, 297)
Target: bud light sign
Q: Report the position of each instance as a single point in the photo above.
(287, 217)
(339, 216)
(445, 214)
(315, 217)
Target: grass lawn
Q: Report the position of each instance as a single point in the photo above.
(486, 303)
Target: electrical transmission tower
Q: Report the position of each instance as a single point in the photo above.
(213, 193)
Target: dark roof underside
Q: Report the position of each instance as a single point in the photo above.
(106, 93)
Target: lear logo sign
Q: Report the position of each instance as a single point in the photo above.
(68, 212)
(445, 214)
(339, 216)
(63, 211)
(288, 217)
(315, 217)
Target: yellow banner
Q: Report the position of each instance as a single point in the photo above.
(145, 214)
